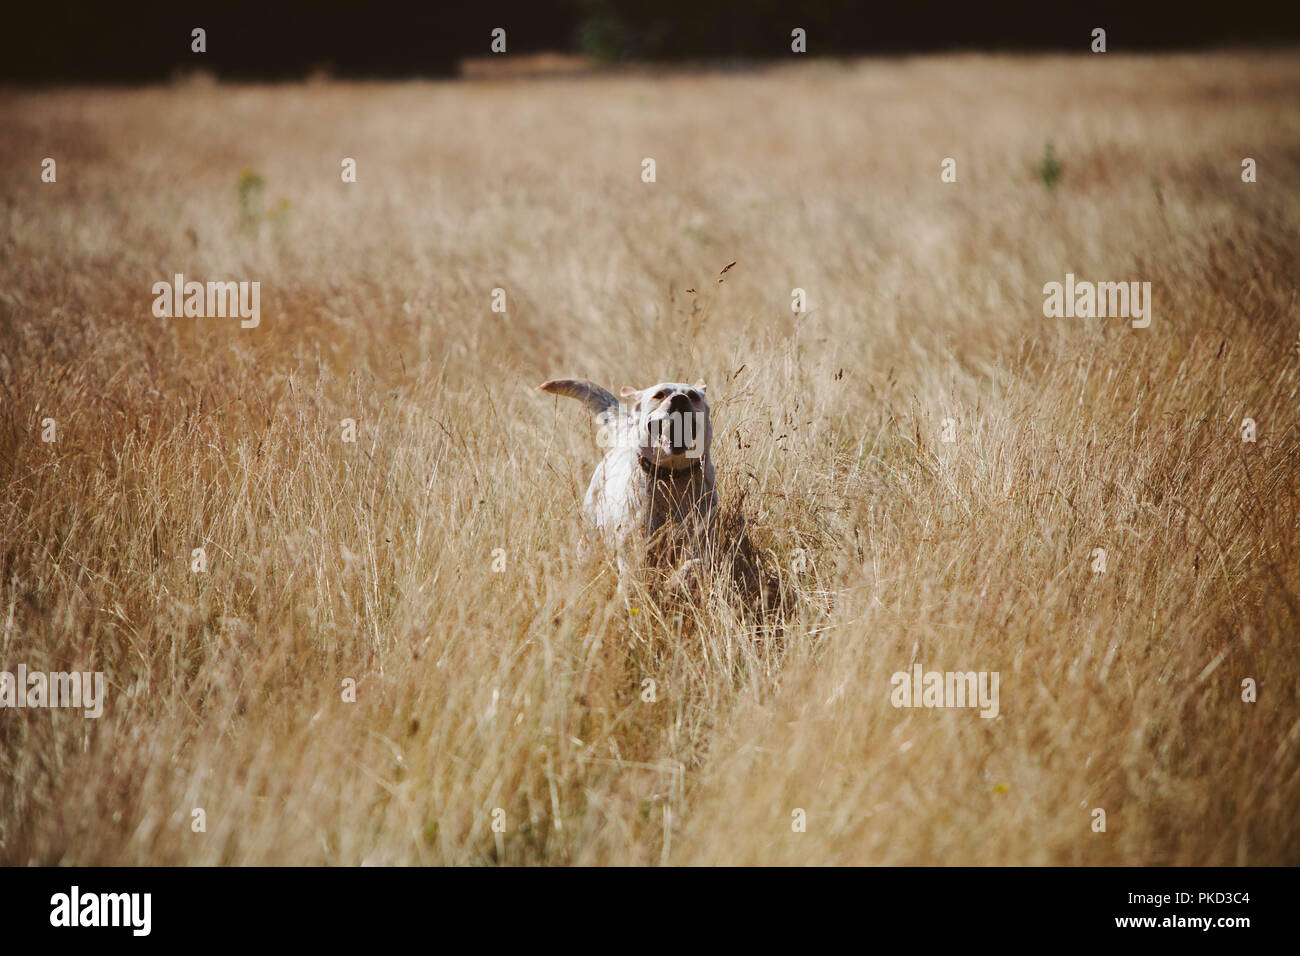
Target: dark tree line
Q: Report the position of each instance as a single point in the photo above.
(143, 40)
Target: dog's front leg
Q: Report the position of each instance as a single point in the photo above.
(686, 579)
(699, 564)
(694, 570)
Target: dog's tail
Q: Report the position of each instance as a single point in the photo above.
(600, 402)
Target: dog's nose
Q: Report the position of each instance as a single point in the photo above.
(680, 403)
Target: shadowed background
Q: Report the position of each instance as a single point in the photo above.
(142, 40)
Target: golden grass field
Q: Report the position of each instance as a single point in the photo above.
(869, 543)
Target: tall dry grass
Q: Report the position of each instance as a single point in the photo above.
(522, 690)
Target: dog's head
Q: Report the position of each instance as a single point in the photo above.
(671, 423)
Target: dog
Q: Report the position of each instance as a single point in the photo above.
(652, 500)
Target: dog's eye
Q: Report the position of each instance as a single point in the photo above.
(659, 395)
(693, 396)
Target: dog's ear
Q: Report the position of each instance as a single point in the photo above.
(627, 391)
(701, 386)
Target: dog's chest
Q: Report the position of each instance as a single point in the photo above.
(624, 498)
(674, 497)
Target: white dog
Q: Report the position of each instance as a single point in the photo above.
(652, 497)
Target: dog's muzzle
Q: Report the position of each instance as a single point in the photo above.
(680, 430)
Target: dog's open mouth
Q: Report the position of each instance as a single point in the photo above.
(677, 434)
